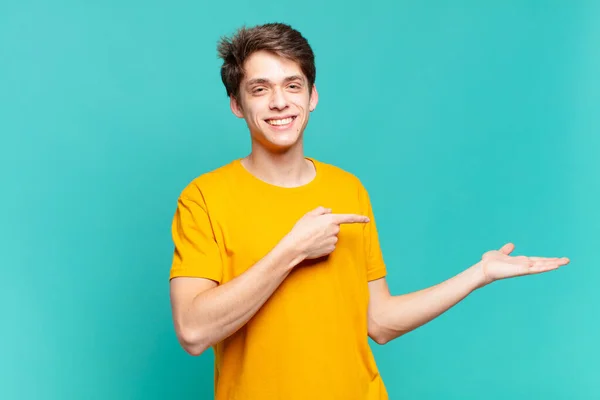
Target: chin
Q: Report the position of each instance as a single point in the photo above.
(278, 140)
(281, 145)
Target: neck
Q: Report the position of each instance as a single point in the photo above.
(285, 169)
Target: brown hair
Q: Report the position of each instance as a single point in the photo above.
(277, 38)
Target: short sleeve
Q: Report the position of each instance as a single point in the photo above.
(196, 252)
(376, 267)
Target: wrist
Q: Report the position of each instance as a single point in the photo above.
(290, 252)
(479, 277)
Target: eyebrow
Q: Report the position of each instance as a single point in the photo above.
(266, 81)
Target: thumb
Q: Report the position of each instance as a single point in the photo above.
(507, 248)
(320, 210)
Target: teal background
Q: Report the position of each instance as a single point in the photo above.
(471, 124)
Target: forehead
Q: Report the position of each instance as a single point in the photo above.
(265, 65)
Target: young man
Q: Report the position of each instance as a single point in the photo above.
(277, 262)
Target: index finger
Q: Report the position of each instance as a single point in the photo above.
(349, 218)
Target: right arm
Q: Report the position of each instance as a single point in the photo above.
(205, 314)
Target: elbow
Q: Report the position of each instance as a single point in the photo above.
(379, 338)
(377, 333)
(382, 334)
(194, 350)
(194, 342)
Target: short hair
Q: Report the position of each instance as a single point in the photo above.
(277, 38)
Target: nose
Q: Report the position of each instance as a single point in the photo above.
(278, 100)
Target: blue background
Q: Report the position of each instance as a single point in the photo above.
(471, 125)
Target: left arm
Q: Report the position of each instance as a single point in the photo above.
(392, 316)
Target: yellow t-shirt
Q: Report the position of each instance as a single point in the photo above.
(309, 341)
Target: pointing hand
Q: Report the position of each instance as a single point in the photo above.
(315, 234)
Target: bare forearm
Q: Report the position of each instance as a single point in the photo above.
(217, 313)
(402, 314)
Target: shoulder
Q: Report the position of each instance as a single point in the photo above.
(211, 180)
(340, 175)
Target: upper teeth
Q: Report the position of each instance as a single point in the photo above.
(280, 121)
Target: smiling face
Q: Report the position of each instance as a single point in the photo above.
(275, 100)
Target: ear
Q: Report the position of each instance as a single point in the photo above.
(314, 98)
(236, 107)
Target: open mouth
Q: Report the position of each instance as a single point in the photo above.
(280, 122)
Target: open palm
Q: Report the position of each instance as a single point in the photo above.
(498, 264)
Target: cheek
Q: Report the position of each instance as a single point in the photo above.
(253, 109)
(254, 115)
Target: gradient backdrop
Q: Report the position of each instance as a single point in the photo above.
(471, 125)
